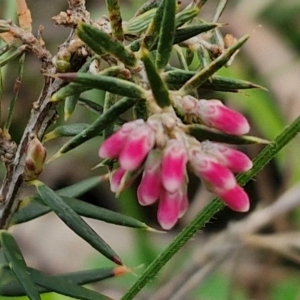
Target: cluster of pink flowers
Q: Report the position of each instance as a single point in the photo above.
(162, 150)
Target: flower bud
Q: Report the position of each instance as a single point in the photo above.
(215, 114)
(137, 146)
(113, 145)
(212, 172)
(173, 165)
(150, 186)
(235, 198)
(35, 158)
(169, 209)
(230, 158)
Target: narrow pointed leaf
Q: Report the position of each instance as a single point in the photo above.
(74, 88)
(10, 286)
(217, 83)
(79, 188)
(73, 221)
(98, 125)
(186, 33)
(186, 15)
(158, 87)
(198, 79)
(35, 208)
(69, 107)
(29, 210)
(87, 32)
(166, 35)
(181, 35)
(18, 265)
(63, 286)
(99, 213)
(106, 83)
(139, 23)
(12, 55)
(202, 133)
(65, 131)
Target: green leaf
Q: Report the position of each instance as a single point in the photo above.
(79, 188)
(73, 221)
(10, 286)
(202, 133)
(97, 126)
(101, 40)
(139, 23)
(158, 87)
(199, 78)
(166, 35)
(64, 287)
(177, 77)
(186, 15)
(106, 83)
(34, 208)
(65, 131)
(74, 88)
(18, 265)
(186, 33)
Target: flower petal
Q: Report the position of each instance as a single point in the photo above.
(235, 198)
(113, 145)
(215, 114)
(173, 165)
(168, 209)
(137, 147)
(149, 189)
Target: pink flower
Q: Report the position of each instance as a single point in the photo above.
(137, 146)
(149, 189)
(212, 172)
(113, 145)
(235, 198)
(173, 165)
(215, 114)
(169, 209)
(230, 158)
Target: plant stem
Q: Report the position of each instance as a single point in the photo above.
(204, 216)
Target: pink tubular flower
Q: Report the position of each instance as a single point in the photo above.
(212, 172)
(113, 145)
(230, 158)
(169, 209)
(149, 189)
(235, 198)
(215, 114)
(137, 146)
(173, 165)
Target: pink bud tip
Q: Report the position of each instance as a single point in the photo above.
(215, 114)
(173, 165)
(235, 198)
(213, 172)
(113, 145)
(137, 147)
(231, 158)
(168, 209)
